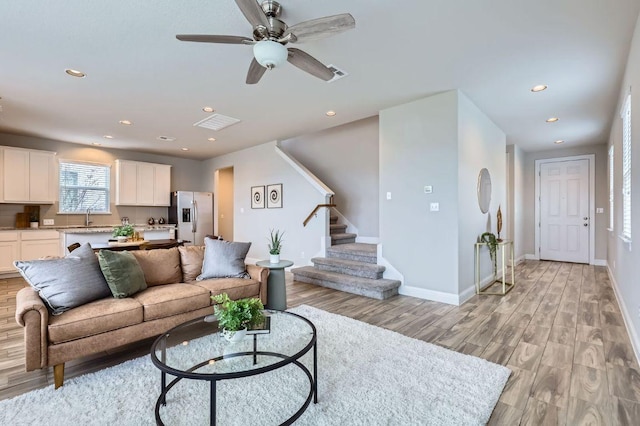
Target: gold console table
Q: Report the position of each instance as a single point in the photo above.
(503, 246)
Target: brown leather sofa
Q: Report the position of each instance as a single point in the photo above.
(172, 297)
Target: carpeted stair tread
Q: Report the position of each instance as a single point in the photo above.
(333, 219)
(377, 289)
(360, 252)
(336, 228)
(349, 267)
(343, 238)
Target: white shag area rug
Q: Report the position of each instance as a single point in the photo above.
(366, 376)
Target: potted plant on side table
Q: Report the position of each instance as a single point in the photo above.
(275, 245)
(234, 316)
(122, 233)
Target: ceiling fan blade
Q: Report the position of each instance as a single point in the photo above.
(309, 64)
(256, 71)
(320, 28)
(204, 38)
(253, 12)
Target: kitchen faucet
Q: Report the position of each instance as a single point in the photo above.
(88, 217)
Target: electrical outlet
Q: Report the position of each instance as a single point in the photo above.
(434, 207)
(47, 221)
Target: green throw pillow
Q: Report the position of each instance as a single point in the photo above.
(122, 272)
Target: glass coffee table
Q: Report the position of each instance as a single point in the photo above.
(196, 350)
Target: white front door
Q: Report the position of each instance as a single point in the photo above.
(564, 211)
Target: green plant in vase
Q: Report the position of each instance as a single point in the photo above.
(234, 316)
(491, 241)
(125, 231)
(275, 245)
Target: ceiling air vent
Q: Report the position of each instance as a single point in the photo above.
(166, 138)
(337, 73)
(217, 122)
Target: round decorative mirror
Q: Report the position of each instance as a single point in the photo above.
(484, 190)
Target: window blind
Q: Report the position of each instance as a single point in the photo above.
(84, 186)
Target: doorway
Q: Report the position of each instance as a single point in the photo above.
(565, 209)
(224, 197)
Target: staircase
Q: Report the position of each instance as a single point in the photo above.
(351, 267)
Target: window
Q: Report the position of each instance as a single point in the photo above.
(84, 186)
(626, 169)
(611, 212)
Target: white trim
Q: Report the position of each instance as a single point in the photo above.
(600, 262)
(517, 260)
(633, 334)
(390, 272)
(592, 200)
(305, 173)
(367, 240)
(436, 296)
(531, 257)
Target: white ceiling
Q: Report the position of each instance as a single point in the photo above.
(492, 50)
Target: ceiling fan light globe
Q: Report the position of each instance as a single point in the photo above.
(270, 54)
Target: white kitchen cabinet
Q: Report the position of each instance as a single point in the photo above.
(142, 184)
(28, 176)
(9, 249)
(37, 244)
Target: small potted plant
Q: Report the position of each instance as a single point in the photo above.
(122, 233)
(234, 316)
(275, 245)
(33, 220)
(491, 241)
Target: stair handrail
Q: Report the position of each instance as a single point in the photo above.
(315, 209)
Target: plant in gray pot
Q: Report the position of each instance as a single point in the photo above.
(275, 245)
(234, 316)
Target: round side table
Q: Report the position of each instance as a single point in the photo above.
(276, 287)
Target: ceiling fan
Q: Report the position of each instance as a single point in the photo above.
(270, 35)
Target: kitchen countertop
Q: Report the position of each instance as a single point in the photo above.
(79, 229)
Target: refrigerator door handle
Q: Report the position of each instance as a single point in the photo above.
(194, 220)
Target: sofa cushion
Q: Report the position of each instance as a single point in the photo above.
(191, 262)
(68, 282)
(93, 318)
(236, 288)
(163, 301)
(224, 259)
(122, 272)
(161, 266)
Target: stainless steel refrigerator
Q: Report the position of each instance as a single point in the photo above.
(193, 214)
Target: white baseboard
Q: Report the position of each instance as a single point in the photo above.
(467, 294)
(531, 257)
(436, 296)
(600, 262)
(368, 240)
(633, 334)
(517, 261)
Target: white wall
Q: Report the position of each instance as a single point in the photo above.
(185, 175)
(345, 158)
(442, 141)
(601, 194)
(624, 259)
(261, 165)
(481, 144)
(516, 190)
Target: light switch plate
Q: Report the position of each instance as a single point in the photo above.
(434, 207)
(600, 210)
(428, 189)
(47, 221)
(388, 195)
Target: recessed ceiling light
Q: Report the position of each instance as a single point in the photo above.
(96, 144)
(208, 109)
(330, 113)
(75, 73)
(185, 149)
(108, 137)
(125, 122)
(558, 142)
(539, 88)
(211, 139)
(552, 119)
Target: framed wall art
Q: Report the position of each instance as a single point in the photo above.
(274, 196)
(257, 197)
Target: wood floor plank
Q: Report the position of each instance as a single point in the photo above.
(588, 334)
(624, 413)
(552, 385)
(526, 356)
(624, 382)
(516, 391)
(590, 355)
(541, 413)
(589, 384)
(585, 413)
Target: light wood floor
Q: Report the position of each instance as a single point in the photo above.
(559, 330)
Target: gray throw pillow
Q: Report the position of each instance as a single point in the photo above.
(122, 272)
(224, 259)
(68, 282)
